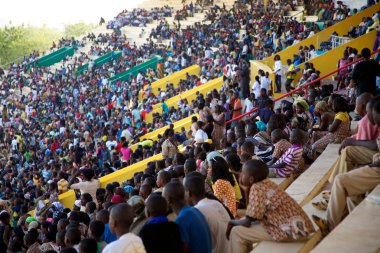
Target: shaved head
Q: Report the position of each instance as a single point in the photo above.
(121, 218)
(174, 192)
(364, 98)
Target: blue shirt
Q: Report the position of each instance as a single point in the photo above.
(108, 236)
(194, 230)
(165, 108)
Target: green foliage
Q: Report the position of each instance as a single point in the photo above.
(78, 29)
(17, 41)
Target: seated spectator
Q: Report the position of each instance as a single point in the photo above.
(281, 145)
(352, 184)
(266, 214)
(290, 161)
(223, 182)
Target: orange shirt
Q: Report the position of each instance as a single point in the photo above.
(237, 107)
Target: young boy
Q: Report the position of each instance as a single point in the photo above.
(291, 159)
(156, 230)
(281, 145)
(96, 232)
(271, 215)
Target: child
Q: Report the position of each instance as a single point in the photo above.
(96, 231)
(87, 245)
(266, 204)
(291, 159)
(281, 145)
(155, 231)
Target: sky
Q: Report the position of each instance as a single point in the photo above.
(55, 13)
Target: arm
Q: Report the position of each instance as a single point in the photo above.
(335, 125)
(279, 165)
(246, 222)
(71, 182)
(372, 145)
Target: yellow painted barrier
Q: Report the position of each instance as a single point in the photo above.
(185, 123)
(188, 95)
(328, 61)
(68, 198)
(341, 28)
(174, 78)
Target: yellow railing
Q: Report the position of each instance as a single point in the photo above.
(185, 123)
(189, 95)
(174, 78)
(328, 61)
(341, 28)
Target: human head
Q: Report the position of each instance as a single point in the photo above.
(174, 193)
(219, 169)
(362, 102)
(163, 178)
(190, 165)
(340, 105)
(156, 205)
(369, 109)
(253, 171)
(96, 229)
(72, 237)
(121, 218)
(145, 191)
(30, 238)
(85, 198)
(320, 108)
(248, 147)
(296, 137)
(366, 53)
(376, 112)
(195, 186)
(88, 245)
(277, 135)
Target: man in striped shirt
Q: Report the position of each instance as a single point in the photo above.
(291, 159)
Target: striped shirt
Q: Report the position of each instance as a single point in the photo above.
(291, 158)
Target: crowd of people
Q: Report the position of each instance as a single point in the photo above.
(139, 17)
(71, 129)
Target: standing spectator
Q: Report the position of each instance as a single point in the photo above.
(169, 147)
(89, 185)
(364, 74)
(278, 73)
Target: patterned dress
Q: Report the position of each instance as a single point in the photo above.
(225, 192)
(337, 137)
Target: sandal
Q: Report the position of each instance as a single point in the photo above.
(326, 195)
(321, 205)
(322, 225)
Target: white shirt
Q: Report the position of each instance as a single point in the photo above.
(217, 218)
(128, 243)
(87, 187)
(14, 144)
(277, 67)
(265, 83)
(126, 134)
(248, 105)
(200, 136)
(256, 89)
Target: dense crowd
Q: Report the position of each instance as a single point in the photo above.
(70, 129)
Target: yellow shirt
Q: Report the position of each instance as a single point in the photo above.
(342, 116)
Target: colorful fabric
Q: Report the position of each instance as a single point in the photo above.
(225, 192)
(291, 158)
(280, 215)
